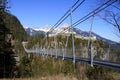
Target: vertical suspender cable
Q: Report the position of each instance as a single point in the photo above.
(89, 43)
(55, 45)
(46, 52)
(47, 43)
(91, 56)
(108, 53)
(66, 44)
(63, 53)
(51, 51)
(41, 50)
(73, 47)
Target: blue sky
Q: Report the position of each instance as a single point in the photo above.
(38, 13)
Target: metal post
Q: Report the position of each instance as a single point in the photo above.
(47, 44)
(51, 51)
(63, 52)
(73, 47)
(55, 45)
(66, 44)
(89, 42)
(86, 48)
(91, 56)
(108, 53)
(37, 48)
(41, 51)
(47, 51)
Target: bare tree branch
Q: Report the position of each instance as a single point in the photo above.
(108, 21)
(118, 35)
(116, 7)
(111, 18)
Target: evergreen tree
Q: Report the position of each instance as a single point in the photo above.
(7, 60)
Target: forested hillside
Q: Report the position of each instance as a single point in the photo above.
(15, 27)
(17, 31)
(7, 60)
(12, 34)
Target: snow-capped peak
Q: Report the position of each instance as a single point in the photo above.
(65, 26)
(25, 27)
(36, 29)
(46, 28)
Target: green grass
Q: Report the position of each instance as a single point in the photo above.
(56, 77)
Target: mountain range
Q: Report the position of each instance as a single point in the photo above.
(64, 29)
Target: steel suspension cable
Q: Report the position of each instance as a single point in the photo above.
(65, 16)
(110, 2)
(69, 13)
(91, 14)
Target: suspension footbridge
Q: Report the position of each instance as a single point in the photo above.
(84, 54)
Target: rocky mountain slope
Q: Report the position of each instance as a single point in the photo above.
(64, 29)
